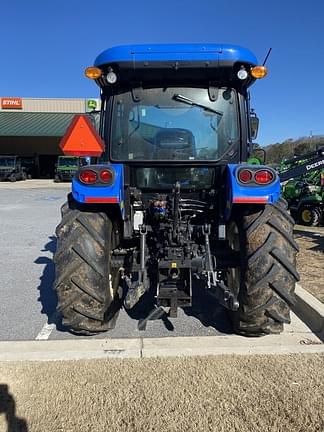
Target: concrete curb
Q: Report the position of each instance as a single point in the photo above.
(69, 349)
(287, 343)
(310, 310)
(232, 345)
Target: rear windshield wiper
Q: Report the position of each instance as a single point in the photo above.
(188, 101)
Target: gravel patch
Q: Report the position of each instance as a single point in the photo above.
(310, 259)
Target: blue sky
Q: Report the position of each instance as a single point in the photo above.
(45, 46)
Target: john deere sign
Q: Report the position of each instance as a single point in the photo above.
(92, 104)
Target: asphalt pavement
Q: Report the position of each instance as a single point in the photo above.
(29, 213)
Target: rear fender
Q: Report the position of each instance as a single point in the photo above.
(100, 193)
(251, 193)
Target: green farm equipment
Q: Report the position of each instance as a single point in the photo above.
(303, 187)
(66, 167)
(11, 168)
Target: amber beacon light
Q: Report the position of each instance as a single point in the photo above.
(93, 72)
(259, 72)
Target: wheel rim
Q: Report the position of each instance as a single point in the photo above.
(306, 215)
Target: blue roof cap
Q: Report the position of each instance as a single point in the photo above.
(175, 52)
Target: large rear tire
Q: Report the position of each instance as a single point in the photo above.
(265, 283)
(85, 286)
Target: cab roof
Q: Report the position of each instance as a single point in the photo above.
(174, 52)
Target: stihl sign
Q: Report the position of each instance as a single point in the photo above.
(11, 103)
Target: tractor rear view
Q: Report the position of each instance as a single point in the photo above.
(172, 199)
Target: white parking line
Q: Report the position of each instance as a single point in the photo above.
(47, 329)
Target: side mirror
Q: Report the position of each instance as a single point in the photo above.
(259, 154)
(254, 125)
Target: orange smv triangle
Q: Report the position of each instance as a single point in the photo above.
(81, 139)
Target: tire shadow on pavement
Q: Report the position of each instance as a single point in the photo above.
(208, 311)
(8, 410)
(317, 238)
(47, 295)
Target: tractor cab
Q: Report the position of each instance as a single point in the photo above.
(176, 106)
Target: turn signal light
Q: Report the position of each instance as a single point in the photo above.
(245, 176)
(106, 176)
(263, 177)
(93, 72)
(88, 176)
(259, 72)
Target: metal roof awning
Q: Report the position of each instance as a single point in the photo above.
(34, 124)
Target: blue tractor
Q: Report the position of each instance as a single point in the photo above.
(172, 200)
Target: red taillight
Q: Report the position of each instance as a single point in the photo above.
(106, 176)
(245, 176)
(263, 177)
(88, 176)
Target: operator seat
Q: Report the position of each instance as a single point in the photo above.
(174, 144)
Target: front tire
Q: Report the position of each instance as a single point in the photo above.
(266, 281)
(86, 289)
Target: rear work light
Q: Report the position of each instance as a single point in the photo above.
(88, 176)
(263, 177)
(106, 176)
(245, 176)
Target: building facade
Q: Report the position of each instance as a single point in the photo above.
(32, 128)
